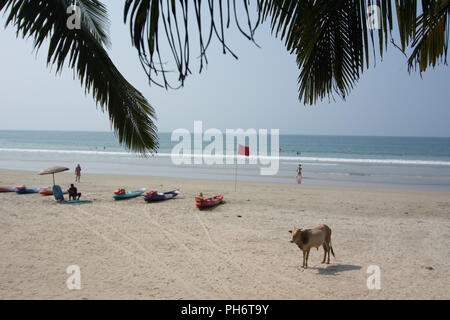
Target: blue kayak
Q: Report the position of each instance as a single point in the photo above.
(156, 196)
(28, 191)
(129, 194)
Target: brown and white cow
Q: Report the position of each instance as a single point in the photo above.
(313, 238)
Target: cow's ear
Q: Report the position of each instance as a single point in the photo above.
(290, 231)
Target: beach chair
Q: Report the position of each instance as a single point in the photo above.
(57, 192)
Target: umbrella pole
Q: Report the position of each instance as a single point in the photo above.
(53, 179)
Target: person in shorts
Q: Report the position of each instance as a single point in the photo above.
(77, 173)
(299, 174)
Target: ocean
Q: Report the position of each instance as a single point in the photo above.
(386, 162)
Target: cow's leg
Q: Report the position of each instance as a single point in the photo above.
(328, 242)
(329, 250)
(304, 258)
(307, 256)
(325, 250)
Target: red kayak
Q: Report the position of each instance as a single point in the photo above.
(49, 192)
(201, 202)
(7, 189)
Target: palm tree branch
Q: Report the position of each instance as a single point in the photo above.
(431, 35)
(330, 39)
(95, 18)
(154, 21)
(129, 112)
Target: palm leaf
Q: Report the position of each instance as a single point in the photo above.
(431, 35)
(332, 41)
(82, 50)
(95, 19)
(153, 21)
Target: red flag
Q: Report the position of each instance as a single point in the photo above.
(244, 151)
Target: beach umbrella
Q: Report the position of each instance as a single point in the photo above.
(52, 171)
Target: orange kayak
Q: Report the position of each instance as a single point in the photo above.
(208, 202)
(49, 192)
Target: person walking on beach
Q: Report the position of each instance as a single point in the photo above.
(299, 173)
(77, 173)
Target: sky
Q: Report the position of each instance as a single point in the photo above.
(259, 90)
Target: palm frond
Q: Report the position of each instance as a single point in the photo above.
(331, 40)
(406, 19)
(153, 21)
(95, 19)
(432, 35)
(82, 49)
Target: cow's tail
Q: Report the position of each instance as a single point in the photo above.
(332, 252)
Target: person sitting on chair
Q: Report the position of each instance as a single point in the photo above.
(73, 193)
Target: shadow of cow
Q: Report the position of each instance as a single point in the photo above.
(336, 269)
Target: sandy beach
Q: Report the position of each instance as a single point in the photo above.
(240, 250)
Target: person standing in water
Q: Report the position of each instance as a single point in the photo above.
(77, 173)
(299, 174)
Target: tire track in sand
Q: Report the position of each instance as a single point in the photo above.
(229, 255)
(148, 257)
(173, 240)
(226, 255)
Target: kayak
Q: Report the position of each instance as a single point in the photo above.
(154, 196)
(28, 191)
(75, 201)
(7, 189)
(129, 194)
(201, 202)
(49, 192)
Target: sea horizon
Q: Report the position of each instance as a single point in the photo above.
(284, 134)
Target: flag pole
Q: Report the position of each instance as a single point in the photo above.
(235, 176)
(241, 151)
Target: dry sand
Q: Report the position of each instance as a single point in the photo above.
(239, 250)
